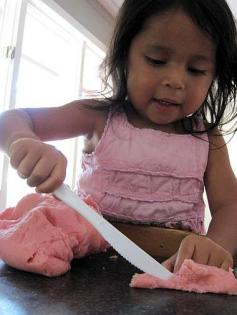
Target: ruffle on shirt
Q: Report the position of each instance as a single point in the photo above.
(150, 186)
(143, 185)
(171, 214)
(153, 198)
(195, 224)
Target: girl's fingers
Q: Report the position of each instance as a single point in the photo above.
(18, 151)
(218, 260)
(203, 251)
(214, 260)
(201, 254)
(40, 172)
(17, 157)
(169, 263)
(226, 265)
(55, 178)
(21, 175)
(41, 164)
(27, 165)
(186, 251)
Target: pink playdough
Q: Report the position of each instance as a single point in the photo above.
(43, 235)
(191, 277)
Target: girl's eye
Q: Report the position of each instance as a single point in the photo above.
(159, 62)
(197, 71)
(156, 62)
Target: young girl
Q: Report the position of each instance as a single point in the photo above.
(156, 142)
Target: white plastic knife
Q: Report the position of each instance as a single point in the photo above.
(123, 245)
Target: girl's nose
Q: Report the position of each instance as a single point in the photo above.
(174, 80)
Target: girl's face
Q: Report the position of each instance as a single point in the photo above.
(171, 66)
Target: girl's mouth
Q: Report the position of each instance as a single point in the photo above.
(166, 102)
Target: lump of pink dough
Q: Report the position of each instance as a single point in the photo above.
(191, 277)
(42, 235)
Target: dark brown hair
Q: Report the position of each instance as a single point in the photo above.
(214, 18)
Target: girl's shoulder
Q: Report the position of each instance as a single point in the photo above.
(214, 135)
(95, 113)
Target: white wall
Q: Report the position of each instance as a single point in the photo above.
(233, 6)
(232, 145)
(91, 15)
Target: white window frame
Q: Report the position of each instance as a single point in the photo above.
(16, 43)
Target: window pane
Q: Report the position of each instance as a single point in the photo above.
(50, 64)
(50, 74)
(91, 81)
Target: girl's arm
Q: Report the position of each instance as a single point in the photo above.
(23, 131)
(221, 188)
(47, 124)
(220, 243)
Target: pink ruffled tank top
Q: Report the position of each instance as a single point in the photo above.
(147, 176)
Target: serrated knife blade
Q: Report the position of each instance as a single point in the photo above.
(122, 244)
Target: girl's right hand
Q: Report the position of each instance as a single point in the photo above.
(202, 250)
(41, 164)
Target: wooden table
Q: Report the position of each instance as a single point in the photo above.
(158, 242)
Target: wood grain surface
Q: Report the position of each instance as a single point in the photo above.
(158, 242)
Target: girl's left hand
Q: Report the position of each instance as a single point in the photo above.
(202, 250)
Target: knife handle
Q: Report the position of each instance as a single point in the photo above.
(65, 194)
